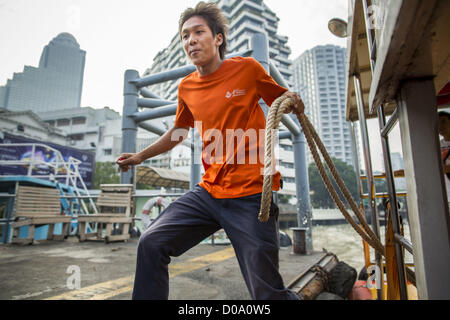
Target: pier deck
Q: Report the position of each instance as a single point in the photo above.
(106, 271)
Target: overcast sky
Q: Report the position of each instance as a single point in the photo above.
(119, 35)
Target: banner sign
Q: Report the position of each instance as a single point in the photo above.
(43, 154)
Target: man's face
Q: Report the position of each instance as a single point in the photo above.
(199, 44)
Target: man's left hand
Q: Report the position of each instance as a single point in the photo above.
(298, 107)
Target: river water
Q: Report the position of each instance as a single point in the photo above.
(345, 243)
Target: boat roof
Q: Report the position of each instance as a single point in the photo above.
(412, 43)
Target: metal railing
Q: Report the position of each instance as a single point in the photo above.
(369, 172)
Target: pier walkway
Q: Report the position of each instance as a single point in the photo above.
(48, 270)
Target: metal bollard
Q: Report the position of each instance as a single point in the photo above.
(299, 240)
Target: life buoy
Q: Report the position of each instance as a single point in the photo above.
(156, 201)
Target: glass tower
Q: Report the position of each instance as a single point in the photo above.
(319, 77)
(55, 85)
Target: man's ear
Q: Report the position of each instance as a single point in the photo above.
(219, 39)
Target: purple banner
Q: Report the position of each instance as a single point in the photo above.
(41, 153)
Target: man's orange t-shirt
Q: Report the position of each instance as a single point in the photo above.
(224, 107)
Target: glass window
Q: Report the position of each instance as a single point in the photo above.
(62, 122)
(79, 120)
(289, 179)
(76, 137)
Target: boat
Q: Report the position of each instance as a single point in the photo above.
(398, 72)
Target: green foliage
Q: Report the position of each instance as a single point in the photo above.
(283, 198)
(144, 187)
(320, 197)
(105, 173)
(108, 173)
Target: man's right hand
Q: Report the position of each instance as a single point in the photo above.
(128, 159)
(167, 142)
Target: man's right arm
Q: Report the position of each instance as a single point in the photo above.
(167, 142)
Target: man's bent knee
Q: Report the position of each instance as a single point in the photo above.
(149, 244)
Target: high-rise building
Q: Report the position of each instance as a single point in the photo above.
(55, 85)
(319, 77)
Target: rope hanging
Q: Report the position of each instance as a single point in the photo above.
(276, 111)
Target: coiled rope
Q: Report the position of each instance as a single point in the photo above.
(276, 111)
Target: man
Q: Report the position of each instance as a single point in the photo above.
(221, 98)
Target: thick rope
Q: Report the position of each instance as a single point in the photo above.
(276, 111)
(273, 120)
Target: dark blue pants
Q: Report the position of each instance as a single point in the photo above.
(195, 216)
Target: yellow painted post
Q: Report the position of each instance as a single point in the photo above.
(393, 285)
(366, 254)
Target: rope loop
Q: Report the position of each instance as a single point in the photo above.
(276, 111)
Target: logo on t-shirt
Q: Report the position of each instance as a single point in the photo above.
(235, 93)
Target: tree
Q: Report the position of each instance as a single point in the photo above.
(320, 197)
(105, 173)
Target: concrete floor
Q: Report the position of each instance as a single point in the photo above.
(48, 270)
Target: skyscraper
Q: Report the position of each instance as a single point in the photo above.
(319, 77)
(55, 85)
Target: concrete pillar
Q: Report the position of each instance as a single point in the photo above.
(196, 154)
(260, 47)
(129, 127)
(427, 198)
